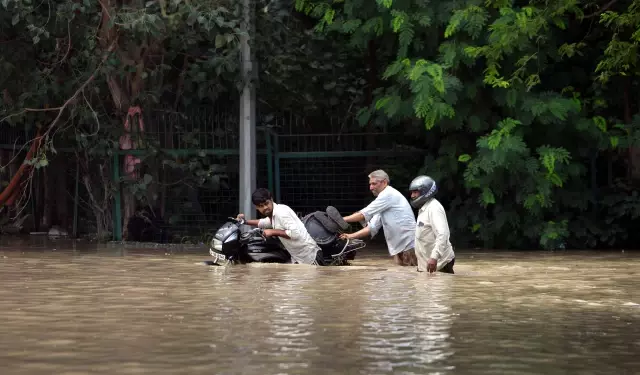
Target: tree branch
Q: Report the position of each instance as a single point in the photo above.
(25, 110)
(68, 46)
(66, 54)
(599, 11)
(39, 138)
(81, 88)
(69, 100)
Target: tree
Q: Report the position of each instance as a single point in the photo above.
(510, 90)
(103, 59)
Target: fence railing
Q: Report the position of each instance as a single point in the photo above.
(306, 171)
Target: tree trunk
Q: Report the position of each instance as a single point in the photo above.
(14, 184)
(47, 184)
(101, 230)
(99, 205)
(125, 89)
(61, 203)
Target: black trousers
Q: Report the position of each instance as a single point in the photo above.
(448, 268)
(320, 258)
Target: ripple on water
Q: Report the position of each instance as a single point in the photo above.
(508, 314)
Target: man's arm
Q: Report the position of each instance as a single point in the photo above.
(288, 221)
(381, 203)
(374, 225)
(264, 223)
(370, 229)
(441, 229)
(276, 233)
(362, 233)
(354, 218)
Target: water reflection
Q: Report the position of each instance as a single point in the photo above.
(291, 323)
(410, 337)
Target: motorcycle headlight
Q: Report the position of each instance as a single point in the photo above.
(216, 244)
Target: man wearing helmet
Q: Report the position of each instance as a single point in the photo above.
(432, 246)
(391, 211)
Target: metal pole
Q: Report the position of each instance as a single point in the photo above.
(276, 162)
(117, 213)
(268, 134)
(76, 197)
(247, 147)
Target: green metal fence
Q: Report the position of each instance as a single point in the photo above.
(315, 171)
(204, 135)
(306, 171)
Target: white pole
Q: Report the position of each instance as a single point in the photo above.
(247, 146)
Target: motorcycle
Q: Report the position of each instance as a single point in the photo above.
(238, 243)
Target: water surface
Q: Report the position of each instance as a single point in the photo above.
(149, 311)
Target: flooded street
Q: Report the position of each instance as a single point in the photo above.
(148, 311)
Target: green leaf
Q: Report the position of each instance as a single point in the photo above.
(601, 123)
(512, 98)
(493, 140)
(363, 116)
(329, 86)
(398, 21)
(42, 163)
(220, 41)
(555, 179)
(147, 179)
(380, 103)
(488, 197)
(393, 69)
(454, 23)
(15, 19)
(329, 16)
(614, 141)
(191, 19)
(530, 201)
(464, 158)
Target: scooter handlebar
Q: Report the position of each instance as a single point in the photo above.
(236, 220)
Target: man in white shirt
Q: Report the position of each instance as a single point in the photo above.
(280, 221)
(391, 211)
(433, 248)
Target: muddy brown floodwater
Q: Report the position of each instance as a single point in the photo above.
(146, 311)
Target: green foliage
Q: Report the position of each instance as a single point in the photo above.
(74, 68)
(304, 71)
(523, 83)
(621, 54)
(529, 110)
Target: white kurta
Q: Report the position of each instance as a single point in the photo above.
(432, 236)
(391, 211)
(301, 246)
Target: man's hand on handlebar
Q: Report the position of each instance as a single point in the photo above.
(347, 236)
(267, 233)
(240, 218)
